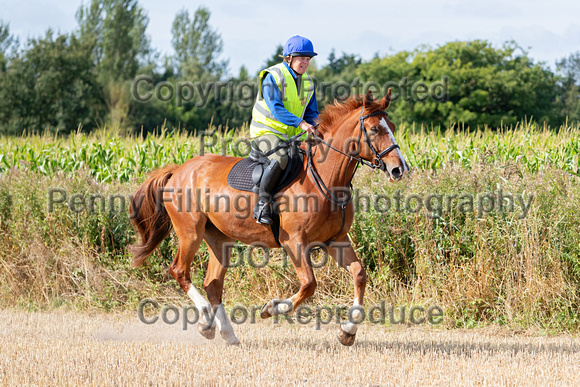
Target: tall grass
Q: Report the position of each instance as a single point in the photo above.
(479, 266)
(533, 148)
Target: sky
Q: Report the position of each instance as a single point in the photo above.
(251, 30)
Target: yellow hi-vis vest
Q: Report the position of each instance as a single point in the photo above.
(295, 100)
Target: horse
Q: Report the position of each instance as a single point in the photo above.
(328, 169)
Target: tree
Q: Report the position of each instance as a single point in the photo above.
(6, 39)
(569, 86)
(197, 46)
(115, 31)
(51, 85)
(7, 44)
(336, 80)
(339, 65)
(570, 67)
(486, 85)
(243, 75)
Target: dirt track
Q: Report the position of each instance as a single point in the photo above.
(65, 348)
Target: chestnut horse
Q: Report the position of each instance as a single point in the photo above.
(357, 130)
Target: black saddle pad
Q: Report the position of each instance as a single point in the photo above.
(240, 177)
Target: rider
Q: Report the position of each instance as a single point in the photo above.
(285, 107)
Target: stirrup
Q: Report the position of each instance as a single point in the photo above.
(262, 217)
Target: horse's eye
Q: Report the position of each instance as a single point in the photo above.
(375, 129)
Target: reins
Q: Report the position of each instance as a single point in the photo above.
(377, 163)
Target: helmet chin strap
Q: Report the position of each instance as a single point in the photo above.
(290, 65)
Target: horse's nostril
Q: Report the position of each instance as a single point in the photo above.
(396, 172)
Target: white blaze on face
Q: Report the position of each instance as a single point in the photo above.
(385, 126)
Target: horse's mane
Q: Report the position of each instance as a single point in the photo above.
(332, 113)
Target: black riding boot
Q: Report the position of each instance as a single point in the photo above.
(263, 209)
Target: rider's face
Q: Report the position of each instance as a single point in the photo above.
(299, 64)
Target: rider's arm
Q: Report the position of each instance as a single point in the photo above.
(273, 98)
(311, 112)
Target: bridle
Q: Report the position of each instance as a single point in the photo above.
(377, 163)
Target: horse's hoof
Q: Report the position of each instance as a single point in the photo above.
(345, 338)
(265, 313)
(229, 337)
(206, 331)
(234, 343)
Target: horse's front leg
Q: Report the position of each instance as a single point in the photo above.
(300, 257)
(343, 252)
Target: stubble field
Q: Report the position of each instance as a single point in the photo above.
(509, 276)
(72, 348)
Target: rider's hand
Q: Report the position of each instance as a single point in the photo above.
(307, 127)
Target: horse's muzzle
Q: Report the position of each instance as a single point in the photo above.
(398, 172)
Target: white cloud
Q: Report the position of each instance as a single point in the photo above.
(543, 44)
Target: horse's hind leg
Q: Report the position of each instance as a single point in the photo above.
(190, 238)
(214, 281)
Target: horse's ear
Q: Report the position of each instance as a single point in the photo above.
(369, 98)
(386, 101)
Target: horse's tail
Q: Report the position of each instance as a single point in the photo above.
(148, 214)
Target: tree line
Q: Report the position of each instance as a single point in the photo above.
(106, 73)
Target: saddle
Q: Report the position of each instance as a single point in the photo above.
(246, 174)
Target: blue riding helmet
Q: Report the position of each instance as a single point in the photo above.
(299, 46)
